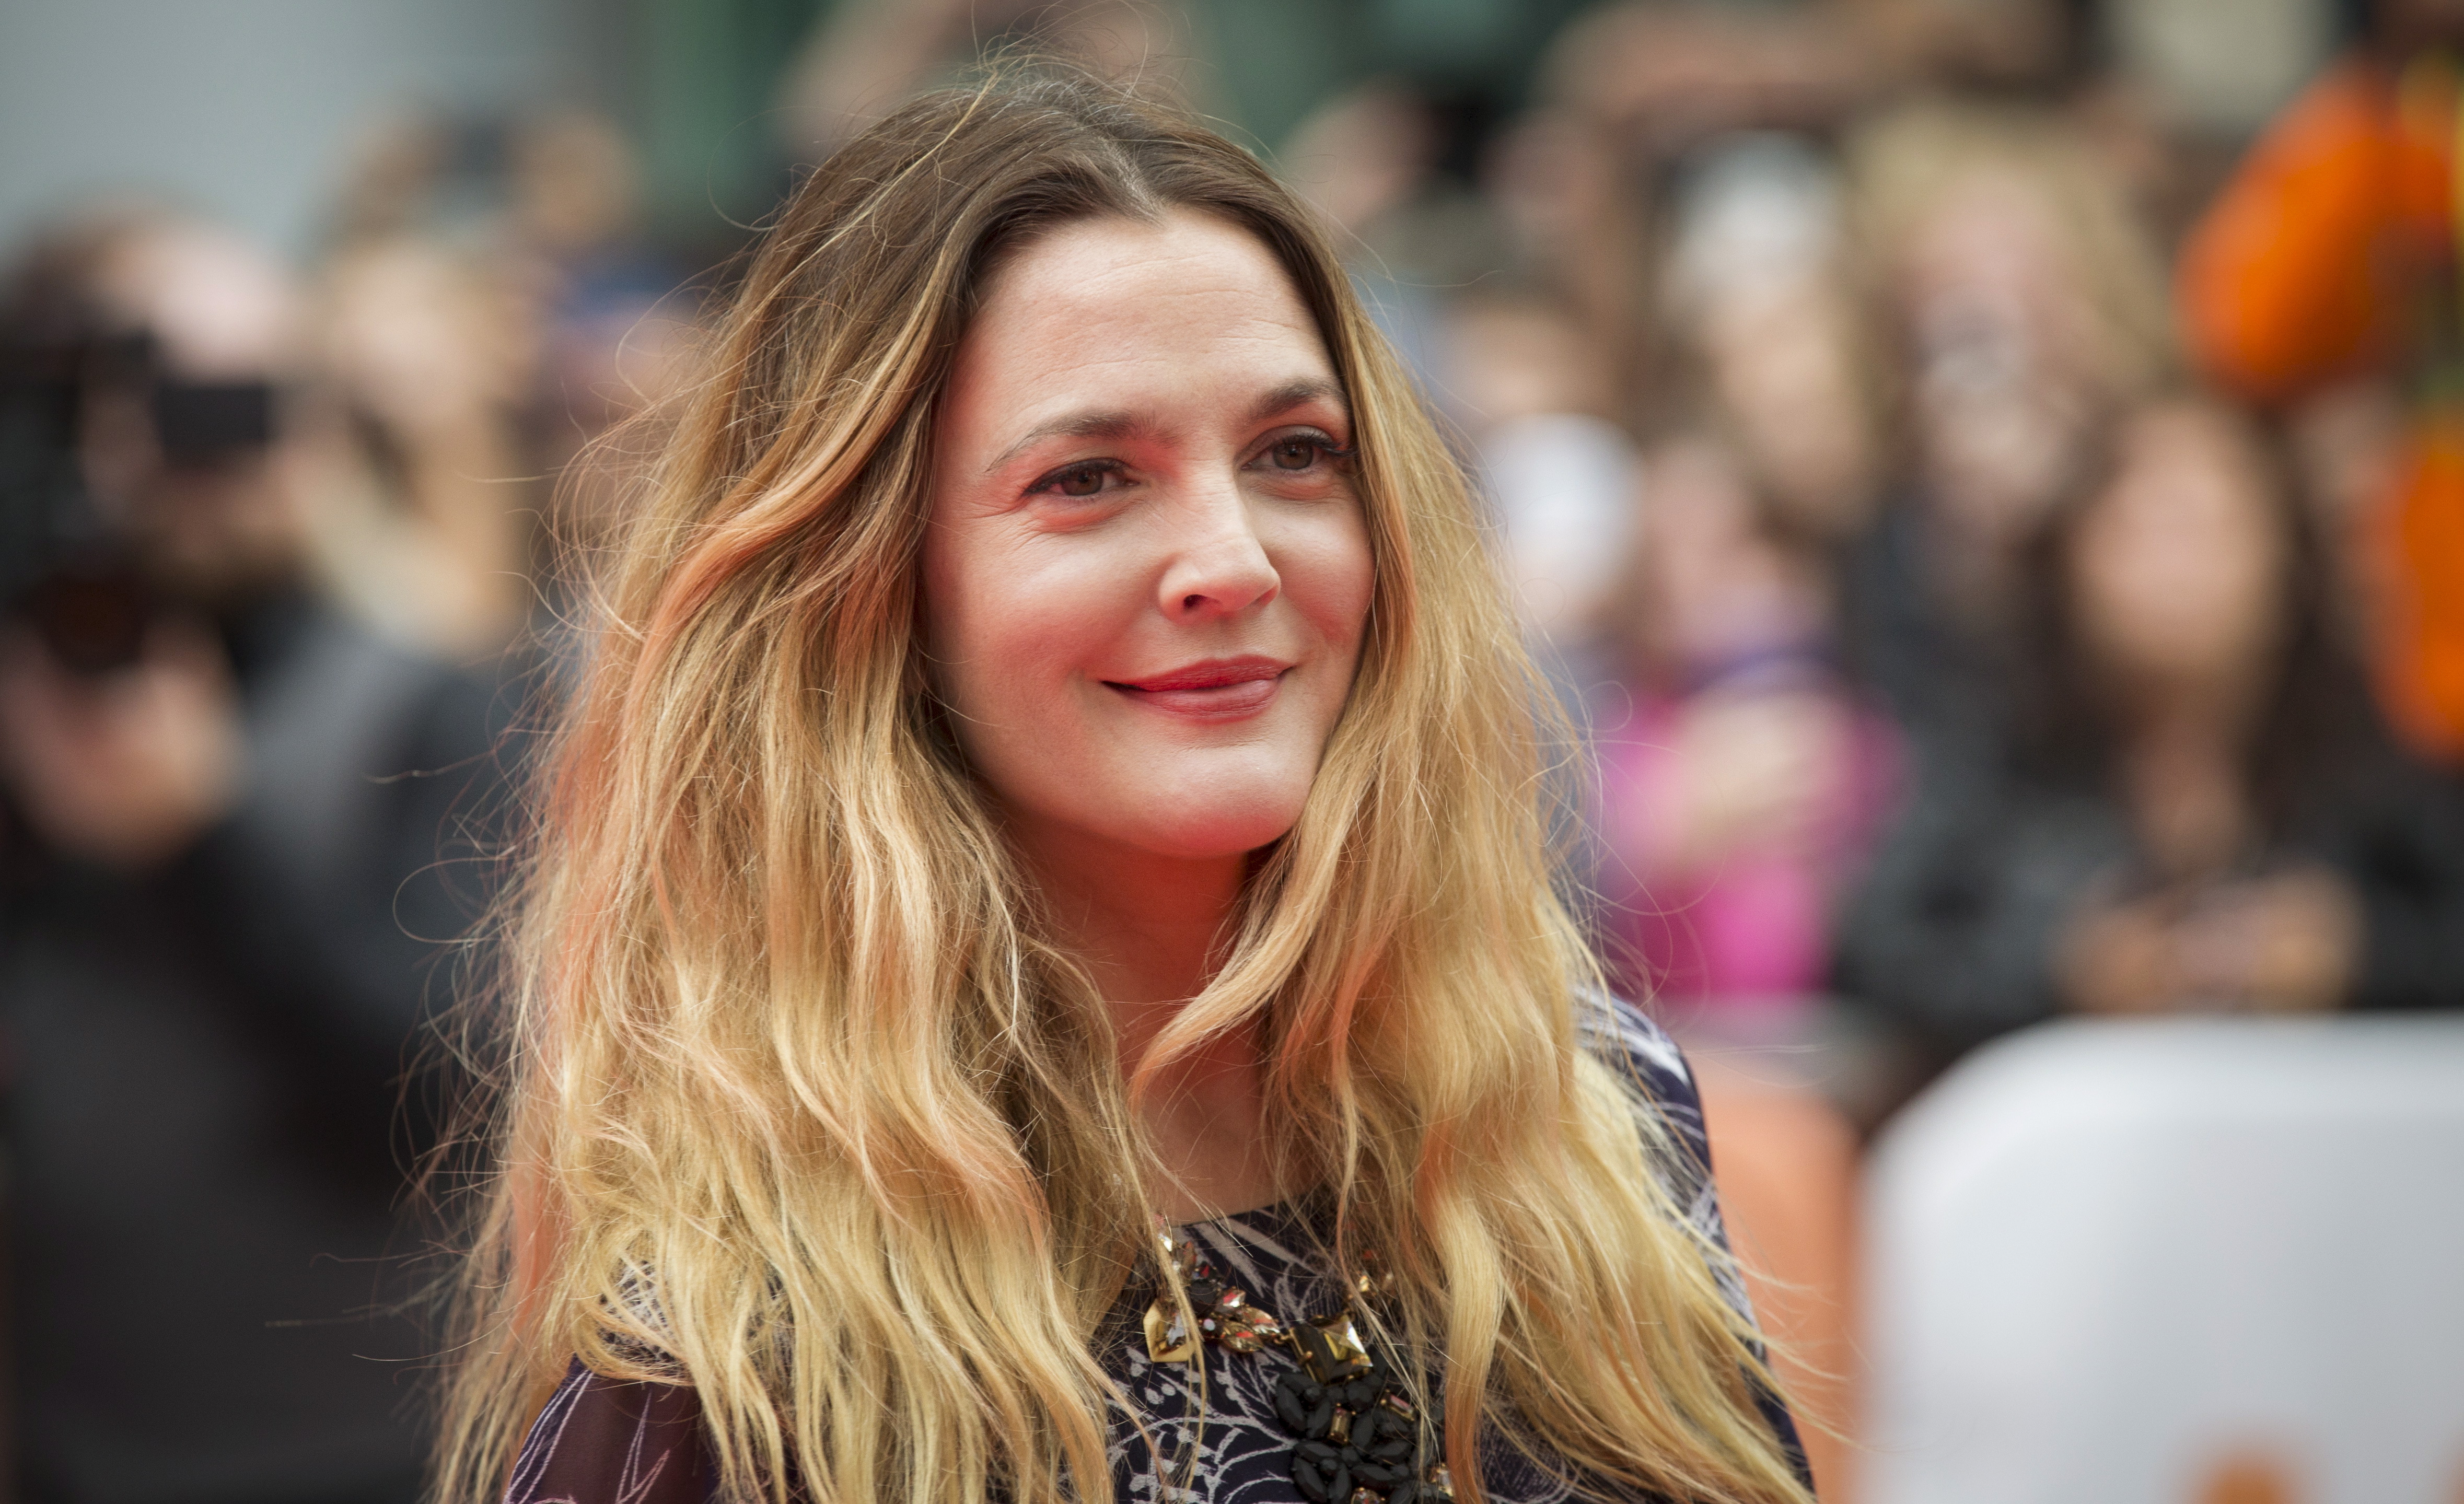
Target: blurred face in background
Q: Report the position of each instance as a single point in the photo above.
(1714, 588)
(184, 458)
(1363, 154)
(1533, 390)
(1510, 358)
(574, 181)
(2178, 568)
(1147, 572)
(1787, 372)
(2000, 404)
(1753, 278)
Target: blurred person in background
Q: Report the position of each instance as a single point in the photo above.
(1366, 160)
(486, 309)
(1597, 186)
(2200, 815)
(2323, 281)
(615, 320)
(1742, 782)
(2027, 302)
(1759, 298)
(432, 362)
(866, 57)
(1740, 786)
(1534, 388)
(224, 806)
(1569, 217)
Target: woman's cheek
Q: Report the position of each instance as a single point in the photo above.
(1063, 615)
(1330, 577)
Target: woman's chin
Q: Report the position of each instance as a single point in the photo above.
(1203, 833)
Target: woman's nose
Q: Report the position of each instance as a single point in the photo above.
(1219, 565)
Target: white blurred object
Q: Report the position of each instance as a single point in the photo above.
(2110, 1259)
(2222, 65)
(1563, 485)
(1758, 214)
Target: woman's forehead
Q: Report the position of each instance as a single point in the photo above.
(1117, 273)
(1115, 316)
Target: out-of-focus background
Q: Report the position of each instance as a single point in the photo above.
(1989, 475)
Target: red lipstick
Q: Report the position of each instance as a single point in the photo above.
(1212, 690)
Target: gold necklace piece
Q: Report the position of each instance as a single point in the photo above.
(1360, 1436)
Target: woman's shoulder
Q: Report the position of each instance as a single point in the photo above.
(1623, 1035)
(1615, 1028)
(1643, 1055)
(603, 1439)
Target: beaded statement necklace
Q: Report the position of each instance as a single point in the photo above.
(1358, 1435)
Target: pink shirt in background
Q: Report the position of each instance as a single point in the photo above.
(1746, 928)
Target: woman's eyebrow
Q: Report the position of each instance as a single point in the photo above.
(1120, 422)
(1115, 423)
(1293, 394)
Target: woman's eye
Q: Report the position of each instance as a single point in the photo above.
(1295, 454)
(1302, 452)
(1079, 481)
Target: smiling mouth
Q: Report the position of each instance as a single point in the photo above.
(1221, 691)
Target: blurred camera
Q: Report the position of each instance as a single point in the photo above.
(203, 423)
(67, 571)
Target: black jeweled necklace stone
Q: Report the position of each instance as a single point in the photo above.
(1358, 1435)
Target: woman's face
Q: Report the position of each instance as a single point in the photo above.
(1714, 587)
(2177, 571)
(1147, 571)
(1995, 311)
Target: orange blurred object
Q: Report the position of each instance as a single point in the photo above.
(2249, 1478)
(1787, 1166)
(2331, 254)
(2310, 264)
(2416, 546)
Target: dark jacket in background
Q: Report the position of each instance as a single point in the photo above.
(208, 1133)
(1949, 690)
(1955, 931)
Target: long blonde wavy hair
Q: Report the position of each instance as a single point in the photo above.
(800, 1107)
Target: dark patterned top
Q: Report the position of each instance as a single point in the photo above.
(601, 1441)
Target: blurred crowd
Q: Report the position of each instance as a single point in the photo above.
(277, 621)
(1999, 526)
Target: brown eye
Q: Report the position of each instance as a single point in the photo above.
(1295, 454)
(1083, 481)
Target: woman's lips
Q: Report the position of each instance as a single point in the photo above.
(1212, 691)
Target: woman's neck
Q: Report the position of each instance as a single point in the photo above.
(1151, 932)
(1148, 928)
(2182, 778)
